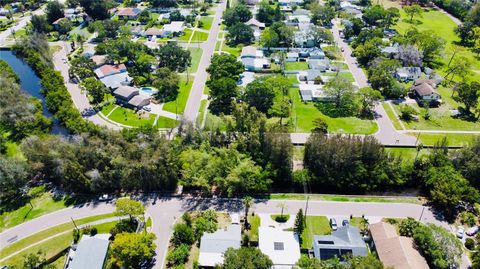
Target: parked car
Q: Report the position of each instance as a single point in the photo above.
(333, 224)
(472, 231)
(460, 232)
(104, 197)
(345, 222)
(147, 108)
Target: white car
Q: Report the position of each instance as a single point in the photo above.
(460, 232)
(147, 108)
(472, 231)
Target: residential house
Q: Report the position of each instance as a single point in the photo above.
(346, 240)
(72, 13)
(310, 76)
(128, 13)
(153, 32)
(56, 24)
(99, 60)
(214, 245)
(424, 91)
(256, 26)
(282, 247)
(395, 251)
(123, 94)
(405, 74)
(251, 2)
(90, 252)
(246, 78)
(390, 51)
(109, 69)
(136, 30)
(301, 11)
(313, 92)
(253, 59)
(251, 52)
(292, 57)
(139, 101)
(173, 28)
(290, 3)
(319, 64)
(114, 81)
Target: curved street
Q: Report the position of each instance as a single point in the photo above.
(164, 211)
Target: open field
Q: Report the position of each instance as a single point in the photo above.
(430, 139)
(303, 114)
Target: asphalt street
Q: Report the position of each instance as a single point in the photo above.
(164, 212)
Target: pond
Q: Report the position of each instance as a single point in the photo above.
(30, 83)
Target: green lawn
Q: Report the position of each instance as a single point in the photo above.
(25, 242)
(164, 122)
(129, 117)
(391, 115)
(296, 66)
(341, 198)
(303, 115)
(207, 22)
(43, 203)
(182, 97)
(213, 122)
(186, 36)
(107, 108)
(408, 154)
(430, 139)
(254, 224)
(444, 27)
(196, 54)
(441, 119)
(53, 246)
(345, 74)
(235, 51)
(201, 112)
(199, 37)
(315, 225)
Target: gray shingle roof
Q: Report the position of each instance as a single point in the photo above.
(91, 252)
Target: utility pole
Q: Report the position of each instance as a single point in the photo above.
(76, 227)
(306, 206)
(421, 215)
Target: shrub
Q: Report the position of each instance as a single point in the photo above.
(280, 218)
(125, 225)
(468, 218)
(407, 227)
(182, 234)
(407, 112)
(470, 243)
(179, 255)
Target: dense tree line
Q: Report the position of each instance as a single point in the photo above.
(457, 8)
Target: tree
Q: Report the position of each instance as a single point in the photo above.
(36, 261)
(13, 177)
(239, 14)
(368, 97)
(222, 92)
(380, 76)
(240, 33)
(409, 56)
(65, 26)
(94, 88)
(245, 258)
(40, 24)
(320, 35)
(247, 203)
(392, 17)
(368, 51)
(144, 17)
(166, 82)
(132, 208)
(182, 234)
(163, 3)
(460, 67)
(320, 126)
(468, 94)
(174, 57)
(282, 206)
(412, 11)
(225, 66)
(322, 14)
(96, 9)
(341, 91)
(299, 224)
(306, 262)
(260, 95)
(374, 15)
(130, 250)
(268, 14)
(54, 11)
(82, 67)
(408, 226)
(269, 38)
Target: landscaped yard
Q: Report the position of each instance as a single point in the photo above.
(128, 117)
(186, 36)
(303, 115)
(43, 203)
(235, 51)
(314, 225)
(178, 105)
(199, 37)
(296, 66)
(164, 122)
(196, 54)
(408, 154)
(254, 224)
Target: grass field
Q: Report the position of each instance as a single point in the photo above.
(235, 51)
(186, 36)
(201, 112)
(430, 139)
(207, 22)
(43, 203)
(296, 66)
(129, 117)
(178, 105)
(303, 115)
(408, 154)
(342, 198)
(213, 122)
(196, 54)
(199, 37)
(315, 225)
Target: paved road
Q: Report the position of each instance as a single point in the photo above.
(387, 135)
(4, 40)
(195, 97)
(166, 210)
(79, 99)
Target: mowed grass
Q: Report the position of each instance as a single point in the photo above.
(128, 117)
(235, 51)
(199, 37)
(314, 225)
(453, 139)
(395, 121)
(408, 154)
(55, 245)
(207, 22)
(342, 198)
(42, 204)
(296, 66)
(178, 105)
(201, 112)
(196, 54)
(27, 241)
(164, 122)
(186, 35)
(444, 27)
(254, 224)
(303, 114)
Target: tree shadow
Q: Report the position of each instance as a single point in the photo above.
(465, 115)
(330, 110)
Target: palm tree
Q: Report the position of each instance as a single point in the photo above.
(247, 202)
(283, 206)
(79, 38)
(364, 225)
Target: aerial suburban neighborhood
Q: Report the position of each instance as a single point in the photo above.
(239, 134)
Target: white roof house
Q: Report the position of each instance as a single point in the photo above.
(312, 92)
(173, 28)
(282, 247)
(251, 52)
(214, 245)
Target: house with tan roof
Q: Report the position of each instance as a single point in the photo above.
(424, 91)
(395, 251)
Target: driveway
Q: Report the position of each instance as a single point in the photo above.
(194, 99)
(165, 211)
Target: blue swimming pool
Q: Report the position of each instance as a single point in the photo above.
(148, 91)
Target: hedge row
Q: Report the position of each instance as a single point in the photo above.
(57, 97)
